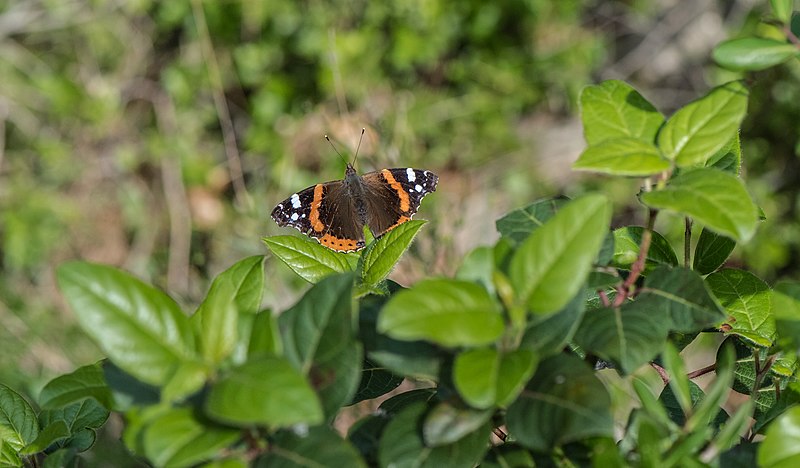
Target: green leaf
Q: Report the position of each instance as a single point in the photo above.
(177, 439)
(447, 312)
(630, 335)
(563, 402)
(715, 198)
(381, 256)
(84, 382)
(417, 359)
(320, 447)
(678, 381)
(18, 425)
(729, 158)
(266, 391)
(306, 257)
(402, 444)
(318, 340)
(786, 307)
(753, 53)
(188, 378)
(52, 433)
(650, 404)
(781, 444)
(622, 157)
(265, 335)
(552, 264)
(748, 301)
(508, 455)
(235, 291)
(627, 240)
(140, 328)
(546, 335)
(701, 128)
(375, 381)
(479, 267)
(681, 295)
(711, 251)
(782, 9)
(485, 377)
(613, 109)
(446, 424)
(85, 414)
(518, 224)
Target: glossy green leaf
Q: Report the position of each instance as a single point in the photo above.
(85, 414)
(549, 334)
(479, 267)
(782, 9)
(623, 157)
(711, 251)
(508, 455)
(18, 424)
(446, 424)
(265, 335)
(781, 444)
(140, 328)
(265, 391)
(701, 128)
(748, 301)
(650, 404)
(613, 109)
(552, 264)
(729, 158)
(714, 198)
(518, 224)
(447, 312)
(681, 295)
(381, 256)
(402, 444)
(786, 309)
(52, 433)
(485, 377)
(320, 447)
(84, 382)
(678, 381)
(177, 439)
(562, 403)
(753, 53)
(630, 335)
(235, 291)
(318, 340)
(306, 257)
(188, 378)
(627, 240)
(376, 381)
(417, 359)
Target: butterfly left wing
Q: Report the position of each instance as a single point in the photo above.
(394, 196)
(324, 212)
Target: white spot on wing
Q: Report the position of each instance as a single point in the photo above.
(411, 176)
(294, 217)
(295, 201)
(418, 188)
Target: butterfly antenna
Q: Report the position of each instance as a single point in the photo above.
(360, 139)
(334, 148)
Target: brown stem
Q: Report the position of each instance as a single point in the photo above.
(604, 298)
(623, 292)
(791, 36)
(661, 372)
(703, 371)
(687, 242)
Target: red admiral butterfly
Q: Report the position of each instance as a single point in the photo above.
(334, 213)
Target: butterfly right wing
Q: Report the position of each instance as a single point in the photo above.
(324, 212)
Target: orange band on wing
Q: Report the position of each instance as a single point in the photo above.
(342, 245)
(400, 221)
(313, 216)
(405, 204)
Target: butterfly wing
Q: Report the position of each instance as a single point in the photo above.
(393, 196)
(324, 212)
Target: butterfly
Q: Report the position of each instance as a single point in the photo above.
(335, 213)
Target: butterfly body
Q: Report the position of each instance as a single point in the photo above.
(336, 212)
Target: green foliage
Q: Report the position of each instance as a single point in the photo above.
(513, 346)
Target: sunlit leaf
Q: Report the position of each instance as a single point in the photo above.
(613, 109)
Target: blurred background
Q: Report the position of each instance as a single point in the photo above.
(158, 136)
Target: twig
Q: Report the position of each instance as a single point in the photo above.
(661, 372)
(221, 104)
(637, 268)
(687, 241)
(703, 371)
(604, 298)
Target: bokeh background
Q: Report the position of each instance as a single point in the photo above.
(157, 136)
